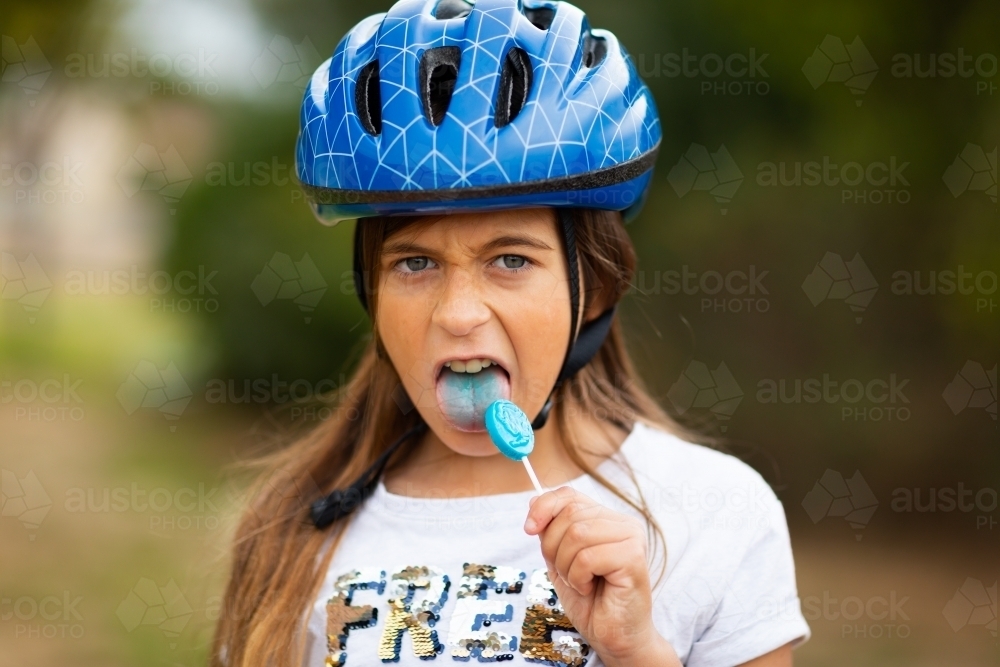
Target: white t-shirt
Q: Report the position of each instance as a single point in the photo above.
(452, 580)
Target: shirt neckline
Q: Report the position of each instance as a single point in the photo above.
(385, 503)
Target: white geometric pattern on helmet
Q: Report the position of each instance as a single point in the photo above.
(576, 121)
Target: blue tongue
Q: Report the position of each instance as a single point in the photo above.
(465, 396)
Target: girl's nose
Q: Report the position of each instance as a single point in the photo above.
(461, 308)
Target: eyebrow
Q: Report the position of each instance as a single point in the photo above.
(514, 241)
(506, 241)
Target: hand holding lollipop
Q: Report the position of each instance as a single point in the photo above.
(615, 616)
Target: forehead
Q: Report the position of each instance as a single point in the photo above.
(476, 228)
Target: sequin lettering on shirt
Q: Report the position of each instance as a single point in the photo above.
(544, 615)
(470, 634)
(415, 619)
(341, 617)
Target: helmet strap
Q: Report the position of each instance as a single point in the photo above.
(357, 271)
(585, 344)
(569, 241)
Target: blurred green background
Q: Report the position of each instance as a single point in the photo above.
(148, 211)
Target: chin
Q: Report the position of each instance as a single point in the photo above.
(466, 443)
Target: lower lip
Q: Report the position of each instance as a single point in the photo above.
(463, 397)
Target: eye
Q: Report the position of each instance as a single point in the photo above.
(511, 262)
(414, 264)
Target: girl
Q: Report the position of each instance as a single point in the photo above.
(493, 152)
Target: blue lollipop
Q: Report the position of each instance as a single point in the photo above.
(509, 429)
(511, 432)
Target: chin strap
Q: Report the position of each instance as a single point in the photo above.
(359, 279)
(590, 340)
(342, 502)
(584, 346)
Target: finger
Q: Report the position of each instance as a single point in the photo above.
(613, 561)
(548, 505)
(573, 603)
(572, 512)
(585, 535)
(571, 533)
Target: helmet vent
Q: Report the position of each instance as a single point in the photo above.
(540, 17)
(515, 85)
(438, 74)
(368, 98)
(452, 9)
(594, 50)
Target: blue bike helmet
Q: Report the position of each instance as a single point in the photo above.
(440, 106)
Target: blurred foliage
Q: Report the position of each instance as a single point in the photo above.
(237, 229)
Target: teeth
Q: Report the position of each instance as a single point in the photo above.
(470, 366)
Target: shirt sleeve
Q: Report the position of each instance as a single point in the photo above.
(759, 609)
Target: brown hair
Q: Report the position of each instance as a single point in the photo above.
(279, 559)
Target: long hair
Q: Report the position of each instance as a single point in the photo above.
(279, 559)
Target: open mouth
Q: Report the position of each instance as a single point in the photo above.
(466, 387)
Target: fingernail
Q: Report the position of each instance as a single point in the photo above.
(529, 525)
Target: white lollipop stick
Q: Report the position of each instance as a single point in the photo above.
(531, 474)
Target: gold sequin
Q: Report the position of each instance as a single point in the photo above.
(415, 619)
(494, 646)
(341, 617)
(477, 579)
(543, 615)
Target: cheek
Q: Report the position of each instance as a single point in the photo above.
(402, 329)
(540, 336)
